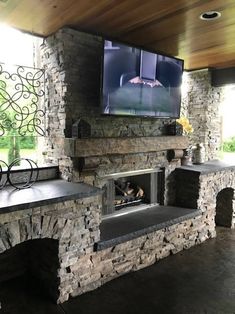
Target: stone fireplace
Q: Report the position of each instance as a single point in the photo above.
(176, 207)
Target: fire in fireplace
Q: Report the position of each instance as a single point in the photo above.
(132, 189)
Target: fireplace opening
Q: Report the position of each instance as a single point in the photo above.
(133, 190)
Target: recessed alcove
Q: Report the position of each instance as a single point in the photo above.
(225, 208)
(33, 259)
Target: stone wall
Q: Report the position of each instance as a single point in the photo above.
(92, 270)
(200, 190)
(200, 103)
(72, 61)
(74, 224)
(75, 227)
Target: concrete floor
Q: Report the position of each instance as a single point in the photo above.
(200, 280)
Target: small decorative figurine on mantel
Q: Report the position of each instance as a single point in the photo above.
(81, 129)
(174, 129)
(186, 160)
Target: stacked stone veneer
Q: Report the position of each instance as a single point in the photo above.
(72, 62)
(201, 104)
(199, 189)
(75, 226)
(73, 67)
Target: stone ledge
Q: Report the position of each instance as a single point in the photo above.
(44, 193)
(45, 172)
(122, 145)
(113, 230)
(208, 167)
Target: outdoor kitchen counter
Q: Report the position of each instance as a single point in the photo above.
(208, 167)
(44, 193)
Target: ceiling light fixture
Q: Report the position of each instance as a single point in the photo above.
(210, 15)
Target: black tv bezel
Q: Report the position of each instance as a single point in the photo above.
(102, 75)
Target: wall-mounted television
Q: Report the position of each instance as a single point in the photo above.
(137, 82)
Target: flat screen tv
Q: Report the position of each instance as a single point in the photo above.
(137, 82)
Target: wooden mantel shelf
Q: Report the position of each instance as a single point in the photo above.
(88, 147)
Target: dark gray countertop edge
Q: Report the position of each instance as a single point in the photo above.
(193, 168)
(23, 206)
(46, 167)
(101, 245)
(53, 200)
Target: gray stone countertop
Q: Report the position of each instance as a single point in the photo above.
(208, 167)
(43, 193)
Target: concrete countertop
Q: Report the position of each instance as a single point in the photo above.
(43, 193)
(208, 167)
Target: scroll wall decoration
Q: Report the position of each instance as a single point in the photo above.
(21, 91)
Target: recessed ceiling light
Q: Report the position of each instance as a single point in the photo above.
(210, 15)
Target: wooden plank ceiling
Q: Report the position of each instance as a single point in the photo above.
(167, 26)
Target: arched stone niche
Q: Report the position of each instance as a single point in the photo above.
(36, 260)
(208, 187)
(225, 208)
(54, 236)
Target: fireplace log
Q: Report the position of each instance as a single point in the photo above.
(128, 189)
(140, 193)
(120, 190)
(127, 193)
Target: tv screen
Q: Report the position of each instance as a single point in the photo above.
(140, 83)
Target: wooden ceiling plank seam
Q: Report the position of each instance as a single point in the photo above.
(162, 27)
(165, 17)
(130, 13)
(201, 30)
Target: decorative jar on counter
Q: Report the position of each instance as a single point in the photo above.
(199, 154)
(186, 160)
